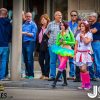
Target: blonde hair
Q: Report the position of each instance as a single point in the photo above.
(46, 17)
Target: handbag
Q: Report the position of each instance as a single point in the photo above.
(44, 43)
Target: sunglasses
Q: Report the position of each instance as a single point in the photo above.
(73, 15)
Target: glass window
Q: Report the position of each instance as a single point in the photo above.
(62, 5)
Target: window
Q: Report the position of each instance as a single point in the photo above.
(62, 5)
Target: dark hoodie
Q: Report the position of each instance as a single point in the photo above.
(5, 32)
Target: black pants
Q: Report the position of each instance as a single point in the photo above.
(77, 73)
(44, 60)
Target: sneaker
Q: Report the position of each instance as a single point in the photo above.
(26, 77)
(30, 77)
(53, 85)
(4, 79)
(93, 79)
(51, 79)
(81, 88)
(64, 84)
(46, 78)
(59, 80)
(42, 77)
(87, 88)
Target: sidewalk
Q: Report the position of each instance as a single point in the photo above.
(37, 83)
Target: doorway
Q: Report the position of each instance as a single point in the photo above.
(36, 7)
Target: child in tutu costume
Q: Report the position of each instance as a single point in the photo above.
(65, 39)
(83, 54)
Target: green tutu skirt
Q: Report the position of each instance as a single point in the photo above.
(62, 51)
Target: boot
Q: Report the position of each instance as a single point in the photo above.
(65, 79)
(77, 74)
(82, 81)
(57, 77)
(85, 78)
(87, 81)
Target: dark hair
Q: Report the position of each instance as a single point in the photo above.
(87, 27)
(74, 11)
(65, 25)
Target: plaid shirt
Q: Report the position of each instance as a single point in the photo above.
(53, 29)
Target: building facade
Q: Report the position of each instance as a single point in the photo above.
(38, 7)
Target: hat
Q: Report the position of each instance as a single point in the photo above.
(86, 22)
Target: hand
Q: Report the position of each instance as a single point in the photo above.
(24, 33)
(61, 40)
(74, 57)
(94, 30)
(81, 36)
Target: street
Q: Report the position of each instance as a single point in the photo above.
(45, 94)
(37, 89)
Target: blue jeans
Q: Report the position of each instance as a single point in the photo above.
(72, 67)
(96, 50)
(53, 60)
(4, 56)
(28, 50)
(91, 71)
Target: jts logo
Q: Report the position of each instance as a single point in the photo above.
(96, 92)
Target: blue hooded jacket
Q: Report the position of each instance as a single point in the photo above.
(5, 32)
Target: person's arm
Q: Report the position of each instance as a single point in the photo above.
(75, 48)
(87, 39)
(10, 32)
(71, 40)
(58, 40)
(96, 29)
(47, 32)
(28, 34)
(32, 32)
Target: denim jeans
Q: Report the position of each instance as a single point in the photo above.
(53, 61)
(44, 61)
(28, 50)
(4, 56)
(96, 50)
(91, 71)
(72, 67)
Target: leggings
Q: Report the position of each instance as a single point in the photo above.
(63, 61)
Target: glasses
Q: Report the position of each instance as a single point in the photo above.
(73, 15)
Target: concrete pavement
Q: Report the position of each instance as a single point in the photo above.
(37, 89)
(37, 83)
(45, 94)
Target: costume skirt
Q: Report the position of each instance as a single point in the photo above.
(62, 51)
(83, 58)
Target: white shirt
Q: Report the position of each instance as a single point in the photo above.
(81, 44)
